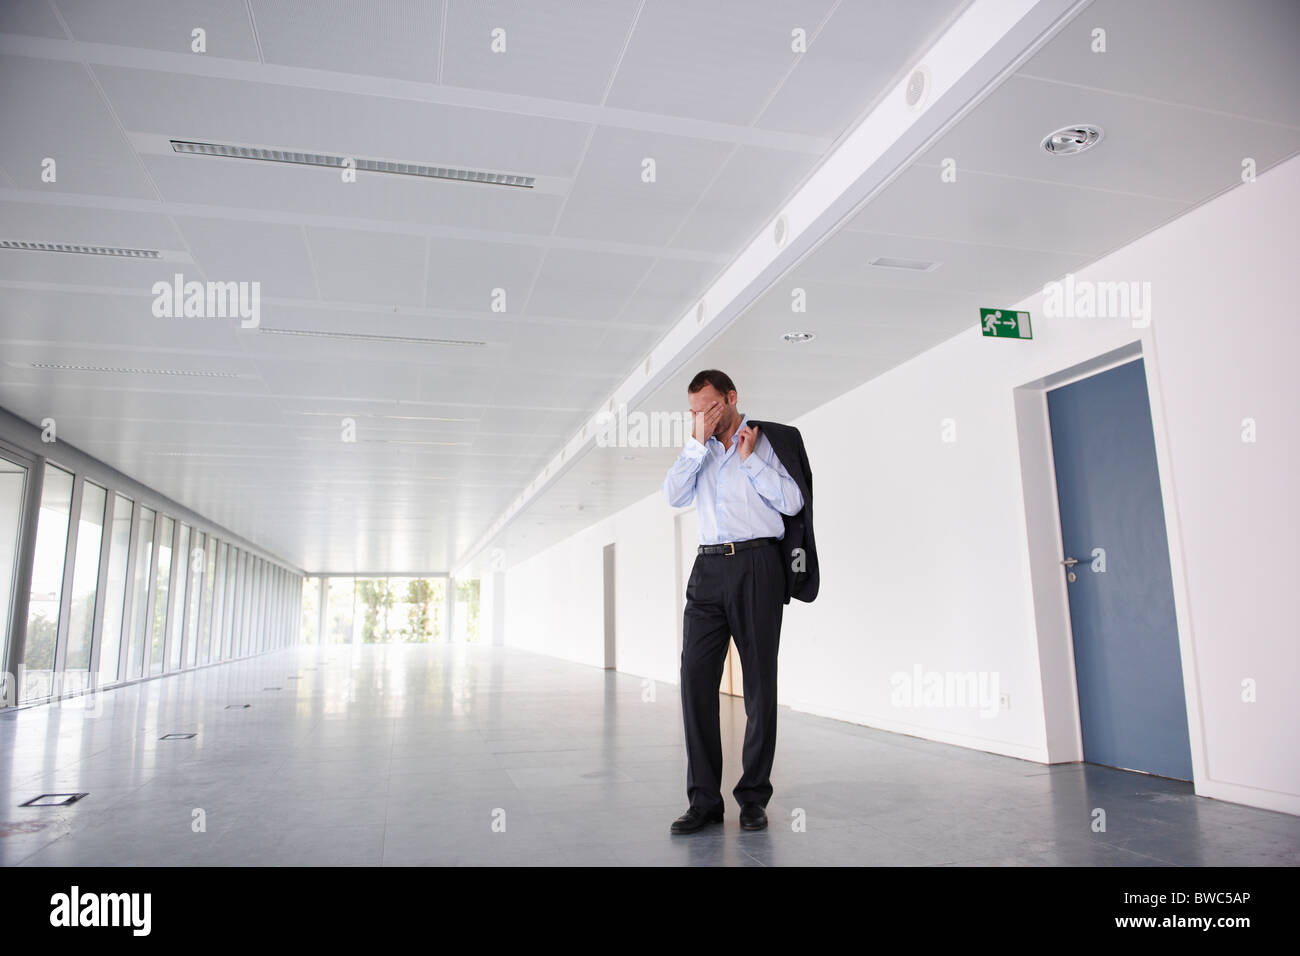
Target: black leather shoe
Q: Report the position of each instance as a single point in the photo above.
(695, 819)
(753, 817)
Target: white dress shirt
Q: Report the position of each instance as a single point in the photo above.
(735, 500)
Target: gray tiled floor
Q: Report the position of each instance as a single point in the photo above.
(408, 755)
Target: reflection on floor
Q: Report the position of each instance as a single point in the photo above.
(446, 755)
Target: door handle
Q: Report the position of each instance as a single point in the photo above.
(1069, 564)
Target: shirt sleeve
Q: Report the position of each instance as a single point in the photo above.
(770, 479)
(679, 484)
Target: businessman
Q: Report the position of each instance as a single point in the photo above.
(752, 488)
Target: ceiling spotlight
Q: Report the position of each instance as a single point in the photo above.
(798, 338)
(1072, 139)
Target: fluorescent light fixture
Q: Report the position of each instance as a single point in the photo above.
(133, 371)
(395, 418)
(911, 265)
(368, 337)
(355, 162)
(124, 253)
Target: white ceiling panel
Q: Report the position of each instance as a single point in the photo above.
(356, 266)
(669, 290)
(62, 117)
(999, 210)
(856, 50)
(721, 60)
(166, 25)
(397, 38)
(30, 18)
(271, 254)
(465, 275)
(585, 285)
(979, 269)
(612, 199)
(725, 219)
(1237, 57)
(1177, 153)
(348, 318)
(44, 222)
(561, 49)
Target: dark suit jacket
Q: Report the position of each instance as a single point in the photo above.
(788, 445)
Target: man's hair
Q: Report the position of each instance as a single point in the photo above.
(711, 376)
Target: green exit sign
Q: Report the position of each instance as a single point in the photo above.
(1005, 324)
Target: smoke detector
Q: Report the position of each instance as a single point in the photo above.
(1072, 139)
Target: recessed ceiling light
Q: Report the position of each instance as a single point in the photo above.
(798, 338)
(119, 251)
(355, 162)
(368, 337)
(912, 265)
(1072, 139)
(134, 371)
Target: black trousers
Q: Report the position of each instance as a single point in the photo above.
(741, 596)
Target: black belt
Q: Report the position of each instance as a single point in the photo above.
(731, 547)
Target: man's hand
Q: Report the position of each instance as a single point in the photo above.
(706, 422)
(746, 440)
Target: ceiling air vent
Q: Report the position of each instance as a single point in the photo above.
(911, 265)
(83, 250)
(369, 337)
(56, 367)
(354, 162)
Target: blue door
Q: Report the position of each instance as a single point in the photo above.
(1126, 655)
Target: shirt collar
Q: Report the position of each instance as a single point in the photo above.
(744, 419)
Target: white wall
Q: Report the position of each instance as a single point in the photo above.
(923, 546)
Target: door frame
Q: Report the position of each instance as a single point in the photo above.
(1051, 603)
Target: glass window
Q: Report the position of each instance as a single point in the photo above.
(119, 548)
(241, 603)
(467, 608)
(412, 617)
(340, 598)
(162, 583)
(13, 486)
(180, 583)
(194, 597)
(85, 582)
(219, 591)
(371, 619)
(258, 630)
(204, 643)
(47, 582)
(140, 594)
(309, 619)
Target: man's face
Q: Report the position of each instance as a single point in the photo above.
(705, 397)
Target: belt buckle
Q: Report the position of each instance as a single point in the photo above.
(732, 546)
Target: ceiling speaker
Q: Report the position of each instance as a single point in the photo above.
(918, 88)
